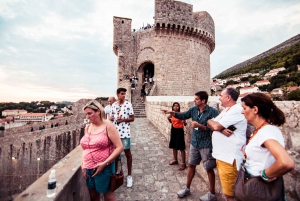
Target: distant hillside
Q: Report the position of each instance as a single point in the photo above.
(254, 63)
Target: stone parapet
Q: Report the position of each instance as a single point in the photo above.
(71, 185)
(290, 130)
(24, 157)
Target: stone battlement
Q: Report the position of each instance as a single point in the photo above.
(176, 51)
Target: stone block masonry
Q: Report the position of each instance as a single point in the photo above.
(25, 156)
(290, 130)
(176, 50)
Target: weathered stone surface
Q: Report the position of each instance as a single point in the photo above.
(290, 130)
(178, 45)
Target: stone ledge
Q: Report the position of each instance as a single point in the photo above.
(70, 182)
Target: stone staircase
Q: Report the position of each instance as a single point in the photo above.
(138, 106)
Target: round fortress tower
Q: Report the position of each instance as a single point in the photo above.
(175, 51)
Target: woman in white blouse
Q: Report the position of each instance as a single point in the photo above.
(265, 152)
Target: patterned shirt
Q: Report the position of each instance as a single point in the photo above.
(96, 148)
(200, 139)
(123, 111)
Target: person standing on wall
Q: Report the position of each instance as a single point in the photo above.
(228, 137)
(107, 109)
(177, 137)
(101, 145)
(122, 114)
(143, 93)
(200, 144)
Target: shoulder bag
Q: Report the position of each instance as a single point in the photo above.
(254, 188)
(116, 179)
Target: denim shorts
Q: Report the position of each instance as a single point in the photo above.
(101, 181)
(196, 155)
(126, 143)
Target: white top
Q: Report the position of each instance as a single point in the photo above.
(125, 111)
(229, 148)
(107, 110)
(259, 158)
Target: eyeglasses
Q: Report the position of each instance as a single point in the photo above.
(92, 103)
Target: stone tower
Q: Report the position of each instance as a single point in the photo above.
(175, 50)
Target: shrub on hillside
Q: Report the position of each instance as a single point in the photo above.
(294, 95)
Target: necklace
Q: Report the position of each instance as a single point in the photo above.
(256, 130)
(252, 135)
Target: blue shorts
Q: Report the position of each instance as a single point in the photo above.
(101, 181)
(126, 143)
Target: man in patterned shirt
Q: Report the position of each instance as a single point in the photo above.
(200, 144)
(122, 114)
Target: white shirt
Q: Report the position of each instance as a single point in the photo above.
(225, 148)
(107, 110)
(126, 111)
(259, 158)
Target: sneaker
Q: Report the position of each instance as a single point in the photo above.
(183, 192)
(129, 181)
(208, 197)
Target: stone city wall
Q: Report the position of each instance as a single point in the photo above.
(76, 118)
(49, 145)
(19, 153)
(290, 130)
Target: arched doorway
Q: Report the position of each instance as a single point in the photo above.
(146, 74)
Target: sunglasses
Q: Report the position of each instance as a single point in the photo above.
(92, 103)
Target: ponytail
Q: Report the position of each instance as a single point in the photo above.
(276, 116)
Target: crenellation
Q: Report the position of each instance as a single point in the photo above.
(178, 44)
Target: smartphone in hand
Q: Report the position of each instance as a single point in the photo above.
(232, 128)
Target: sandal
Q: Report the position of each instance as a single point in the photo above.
(173, 162)
(182, 167)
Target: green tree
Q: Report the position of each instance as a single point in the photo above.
(243, 79)
(294, 95)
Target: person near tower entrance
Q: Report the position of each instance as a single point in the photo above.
(122, 114)
(200, 144)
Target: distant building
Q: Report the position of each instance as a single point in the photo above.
(13, 112)
(262, 82)
(53, 107)
(248, 90)
(233, 86)
(274, 72)
(33, 117)
(277, 91)
(244, 84)
(2, 123)
(292, 88)
(254, 74)
(65, 109)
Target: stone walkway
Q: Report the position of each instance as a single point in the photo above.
(153, 177)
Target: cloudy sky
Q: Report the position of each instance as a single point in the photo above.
(62, 50)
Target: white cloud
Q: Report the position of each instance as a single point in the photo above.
(65, 47)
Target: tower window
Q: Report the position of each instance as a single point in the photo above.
(122, 21)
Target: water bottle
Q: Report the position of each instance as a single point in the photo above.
(51, 191)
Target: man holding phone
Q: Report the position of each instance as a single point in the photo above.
(228, 137)
(200, 144)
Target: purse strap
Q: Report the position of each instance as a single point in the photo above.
(109, 142)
